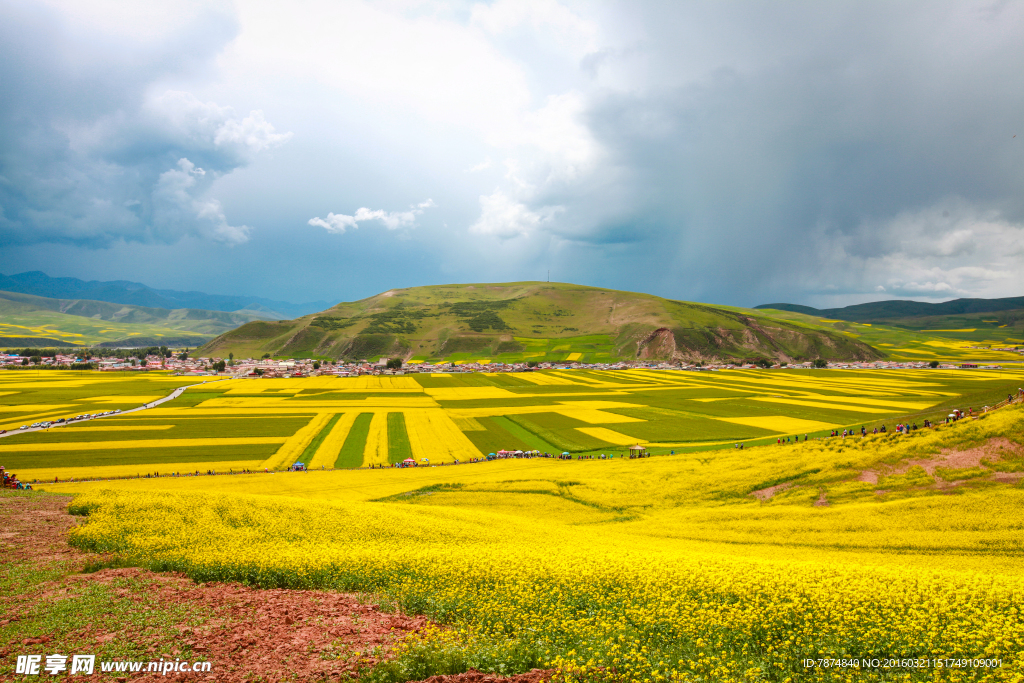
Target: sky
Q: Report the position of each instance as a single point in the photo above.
(740, 153)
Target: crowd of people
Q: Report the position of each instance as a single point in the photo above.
(10, 481)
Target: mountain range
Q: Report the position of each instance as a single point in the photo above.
(136, 294)
(887, 310)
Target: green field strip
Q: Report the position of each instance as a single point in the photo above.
(501, 403)
(492, 438)
(15, 460)
(311, 449)
(688, 430)
(574, 389)
(351, 453)
(560, 431)
(429, 381)
(99, 430)
(510, 381)
(530, 440)
(355, 395)
(398, 438)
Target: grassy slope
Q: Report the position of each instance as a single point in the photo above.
(955, 338)
(85, 322)
(535, 320)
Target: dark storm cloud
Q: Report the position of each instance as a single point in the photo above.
(780, 172)
(90, 155)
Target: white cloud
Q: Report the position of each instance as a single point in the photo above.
(950, 249)
(392, 220)
(504, 217)
(432, 67)
(178, 210)
(560, 23)
(189, 121)
(482, 166)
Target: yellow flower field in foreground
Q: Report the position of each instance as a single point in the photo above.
(661, 569)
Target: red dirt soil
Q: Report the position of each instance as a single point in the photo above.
(992, 451)
(472, 676)
(769, 493)
(256, 634)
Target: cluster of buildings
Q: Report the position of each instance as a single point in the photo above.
(269, 367)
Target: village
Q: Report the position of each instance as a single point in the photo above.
(179, 363)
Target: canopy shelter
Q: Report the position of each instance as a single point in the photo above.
(409, 460)
(637, 450)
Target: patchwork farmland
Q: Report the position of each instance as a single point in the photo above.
(375, 421)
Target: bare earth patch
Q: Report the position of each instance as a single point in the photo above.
(993, 450)
(869, 476)
(249, 634)
(768, 493)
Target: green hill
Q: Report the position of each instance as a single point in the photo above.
(535, 320)
(29, 320)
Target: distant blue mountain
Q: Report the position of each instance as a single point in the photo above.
(134, 293)
(881, 310)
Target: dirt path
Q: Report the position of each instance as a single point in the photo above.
(246, 634)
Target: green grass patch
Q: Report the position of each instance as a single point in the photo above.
(559, 431)
(351, 454)
(688, 430)
(70, 616)
(398, 439)
(311, 449)
(530, 440)
(147, 459)
(494, 437)
(195, 428)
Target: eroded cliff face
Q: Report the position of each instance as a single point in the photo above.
(754, 340)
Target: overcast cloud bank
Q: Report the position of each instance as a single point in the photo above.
(729, 152)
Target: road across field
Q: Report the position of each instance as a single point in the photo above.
(170, 397)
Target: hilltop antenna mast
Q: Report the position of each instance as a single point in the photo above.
(549, 275)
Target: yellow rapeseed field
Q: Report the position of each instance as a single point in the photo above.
(611, 436)
(376, 450)
(295, 444)
(433, 435)
(662, 569)
(327, 454)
